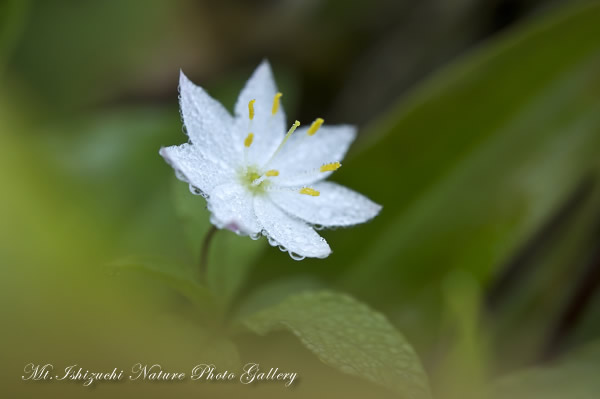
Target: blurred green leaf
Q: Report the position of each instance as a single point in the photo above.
(468, 166)
(229, 263)
(230, 256)
(112, 159)
(276, 291)
(181, 278)
(526, 318)
(93, 51)
(349, 336)
(495, 161)
(13, 15)
(575, 377)
(463, 370)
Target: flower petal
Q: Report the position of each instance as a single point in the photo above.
(232, 208)
(208, 124)
(268, 129)
(335, 206)
(293, 234)
(194, 168)
(299, 161)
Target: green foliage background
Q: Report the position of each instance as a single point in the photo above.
(477, 279)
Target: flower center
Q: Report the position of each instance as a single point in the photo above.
(256, 179)
(250, 177)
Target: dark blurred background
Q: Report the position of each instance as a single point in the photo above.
(345, 60)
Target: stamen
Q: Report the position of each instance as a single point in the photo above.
(251, 109)
(315, 126)
(272, 173)
(309, 191)
(329, 167)
(276, 103)
(249, 139)
(287, 136)
(289, 133)
(313, 173)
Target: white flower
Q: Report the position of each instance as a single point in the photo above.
(257, 179)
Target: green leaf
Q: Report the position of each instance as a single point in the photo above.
(273, 292)
(575, 377)
(468, 167)
(349, 336)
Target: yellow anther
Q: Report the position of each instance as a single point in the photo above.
(272, 173)
(251, 109)
(315, 126)
(249, 139)
(329, 167)
(309, 191)
(276, 103)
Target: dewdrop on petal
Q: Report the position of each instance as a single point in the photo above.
(261, 176)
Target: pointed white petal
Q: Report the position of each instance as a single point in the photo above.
(268, 129)
(208, 124)
(302, 156)
(293, 234)
(335, 206)
(194, 168)
(232, 208)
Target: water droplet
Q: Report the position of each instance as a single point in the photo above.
(272, 242)
(255, 236)
(295, 256)
(347, 369)
(195, 190)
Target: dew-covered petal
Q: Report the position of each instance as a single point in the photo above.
(293, 234)
(193, 167)
(299, 161)
(231, 207)
(268, 129)
(207, 123)
(335, 206)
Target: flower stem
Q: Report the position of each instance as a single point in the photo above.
(204, 252)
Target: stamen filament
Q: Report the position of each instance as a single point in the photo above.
(287, 136)
(276, 103)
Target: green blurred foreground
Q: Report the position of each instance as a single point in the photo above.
(488, 175)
